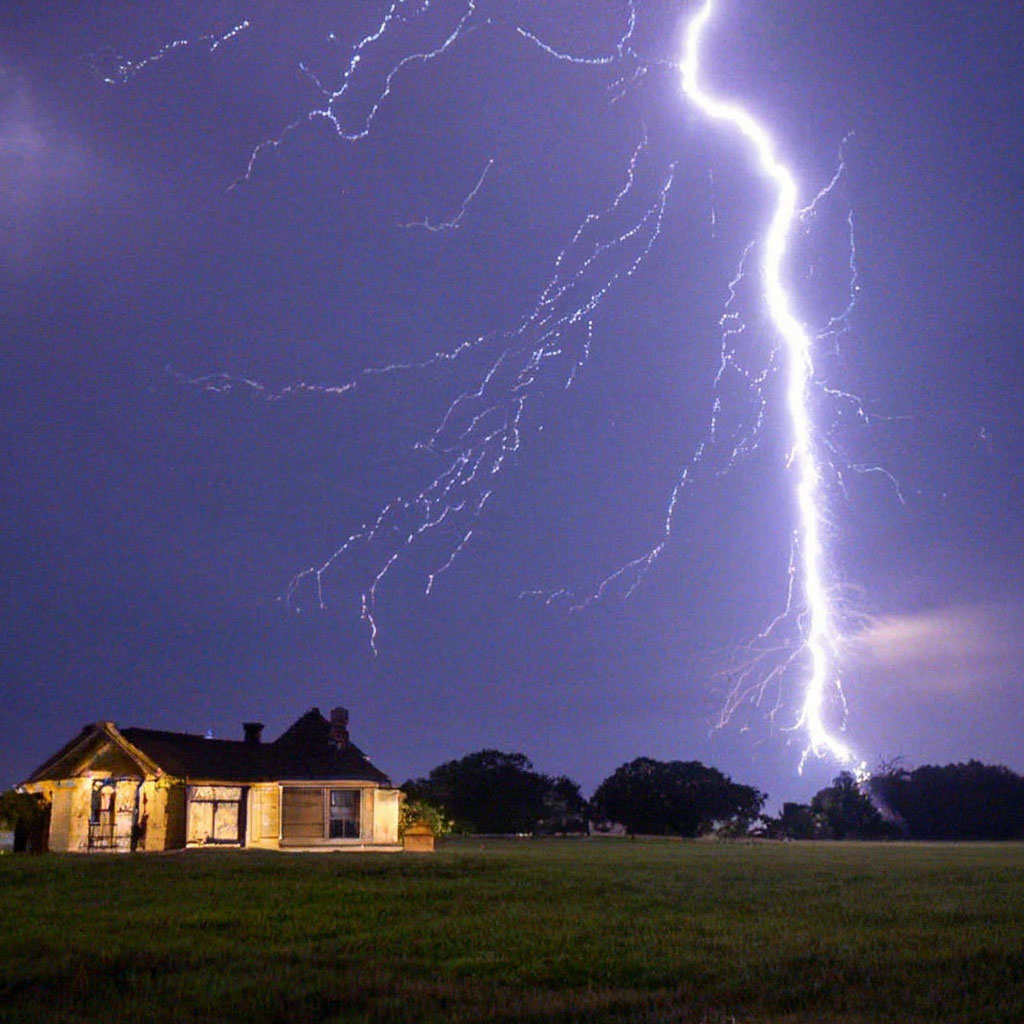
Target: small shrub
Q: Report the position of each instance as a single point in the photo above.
(28, 816)
(414, 811)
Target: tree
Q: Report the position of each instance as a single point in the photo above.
(956, 801)
(847, 812)
(797, 821)
(493, 791)
(683, 798)
(565, 809)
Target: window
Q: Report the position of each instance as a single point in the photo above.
(311, 814)
(216, 814)
(344, 820)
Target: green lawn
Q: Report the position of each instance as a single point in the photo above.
(555, 930)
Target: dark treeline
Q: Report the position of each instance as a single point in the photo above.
(494, 792)
(491, 791)
(683, 798)
(955, 801)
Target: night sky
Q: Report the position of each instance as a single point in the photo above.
(151, 526)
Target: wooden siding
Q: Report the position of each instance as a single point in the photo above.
(302, 813)
(385, 816)
(264, 815)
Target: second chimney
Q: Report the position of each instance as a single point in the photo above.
(339, 727)
(253, 731)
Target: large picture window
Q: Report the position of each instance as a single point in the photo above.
(344, 821)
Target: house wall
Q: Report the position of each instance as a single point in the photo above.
(69, 812)
(264, 826)
(163, 822)
(304, 817)
(385, 815)
(158, 815)
(366, 816)
(162, 812)
(60, 815)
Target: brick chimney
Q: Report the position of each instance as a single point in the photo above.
(253, 731)
(339, 727)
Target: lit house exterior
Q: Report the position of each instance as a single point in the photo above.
(114, 790)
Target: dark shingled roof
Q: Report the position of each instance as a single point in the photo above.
(303, 751)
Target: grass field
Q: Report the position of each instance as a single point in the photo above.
(555, 930)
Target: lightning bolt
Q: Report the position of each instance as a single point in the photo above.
(820, 639)
(485, 426)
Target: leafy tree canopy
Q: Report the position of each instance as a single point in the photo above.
(22, 810)
(797, 821)
(955, 801)
(497, 792)
(565, 809)
(28, 815)
(683, 798)
(846, 811)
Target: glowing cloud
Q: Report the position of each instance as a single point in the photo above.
(954, 649)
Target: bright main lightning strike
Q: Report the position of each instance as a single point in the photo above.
(820, 640)
(483, 429)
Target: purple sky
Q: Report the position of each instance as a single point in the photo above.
(151, 528)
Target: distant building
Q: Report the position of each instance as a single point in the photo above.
(116, 789)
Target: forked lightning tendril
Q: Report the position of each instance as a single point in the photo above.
(115, 69)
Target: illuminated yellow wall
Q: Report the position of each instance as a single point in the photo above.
(157, 806)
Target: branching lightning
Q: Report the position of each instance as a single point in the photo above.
(453, 223)
(115, 69)
(484, 427)
(333, 99)
(481, 430)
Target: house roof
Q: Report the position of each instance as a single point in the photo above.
(304, 751)
(87, 744)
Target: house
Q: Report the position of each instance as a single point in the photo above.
(117, 789)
